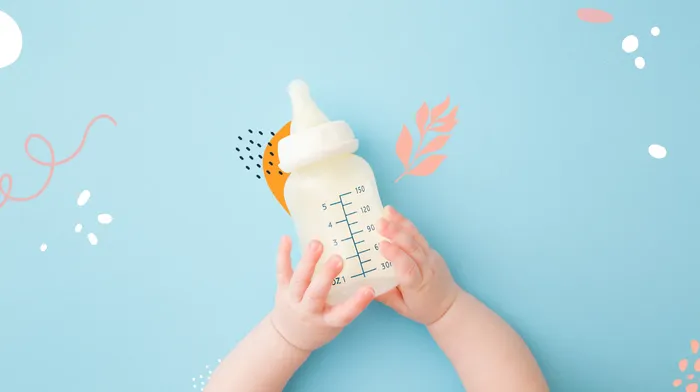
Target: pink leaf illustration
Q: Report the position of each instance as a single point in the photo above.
(437, 143)
(428, 165)
(439, 109)
(445, 127)
(422, 119)
(592, 15)
(448, 122)
(404, 146)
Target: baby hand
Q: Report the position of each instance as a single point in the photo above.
(426, 288)
(301, 315)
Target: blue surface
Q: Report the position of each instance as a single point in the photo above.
(548, 208)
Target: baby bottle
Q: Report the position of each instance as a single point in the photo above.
(332, 197)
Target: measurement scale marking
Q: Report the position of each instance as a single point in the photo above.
(344, 220)
(366, 250)
(345, 239)
(365, 272)
(359, 242)
(354, 212)
(352, 235)
(357, 232)
(334, 203)
(351, 223)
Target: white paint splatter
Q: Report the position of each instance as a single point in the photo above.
(655, 31)
(43, 247)
(10, 40)
(657, 151)
(640, 63)
(104, 219)
(92, 238)
(78, 228)
(202, 380)
(630, 44)
(83, 198)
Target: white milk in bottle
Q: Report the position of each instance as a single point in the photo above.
(332, 197)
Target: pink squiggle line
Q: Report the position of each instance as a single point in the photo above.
(7, 194)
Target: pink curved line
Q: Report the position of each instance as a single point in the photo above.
(592, 15)
(7, 194)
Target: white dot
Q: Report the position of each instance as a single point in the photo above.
(10, 40)
(655, 31)
(83, 198)
(105, 219)
(639, 62)
(78, 228)
(194, 379)
(43, 247)
(630, 44)
(92, 238)
(657, 151)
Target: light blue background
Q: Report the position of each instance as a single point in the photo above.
(549, 207)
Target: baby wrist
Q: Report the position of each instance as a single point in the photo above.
(283, 338)
(449, 310)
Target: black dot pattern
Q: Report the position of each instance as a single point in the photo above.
(250, 143)
(250, 147)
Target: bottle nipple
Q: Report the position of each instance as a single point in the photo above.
(305, 112)
(312, 137)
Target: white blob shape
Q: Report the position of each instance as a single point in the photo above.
(104, 219)
(10, 40)
(83, 198)
(43, 247)
(639, 62)
(78, 228)
(655, 31)
(92, 238)
(657, 151)
(630, 44)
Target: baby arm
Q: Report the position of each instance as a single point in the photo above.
(300, 322)
(486, 352)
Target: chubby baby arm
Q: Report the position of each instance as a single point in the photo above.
(300, 322)
(486, 352)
